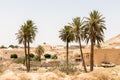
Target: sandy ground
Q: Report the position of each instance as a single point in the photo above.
(10, 71)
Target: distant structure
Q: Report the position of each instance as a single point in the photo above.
(47, 47)
(59, 47)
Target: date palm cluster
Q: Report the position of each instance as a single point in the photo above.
(88, 29)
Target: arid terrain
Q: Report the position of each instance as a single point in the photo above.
(12, 71)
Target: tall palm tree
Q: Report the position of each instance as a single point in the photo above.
(39, 50)
(22, 38)
(26, 34)
(31, 33)
(94, 29)
(77, 26)
(66, 34)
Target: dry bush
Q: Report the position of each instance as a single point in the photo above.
(71, 68)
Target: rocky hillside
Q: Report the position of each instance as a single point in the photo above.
(112, 43)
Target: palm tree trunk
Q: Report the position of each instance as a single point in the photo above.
(92, 56)
(28, 56)
(67, 45)
(40, 57)
(40, 60)
(80, 46)
(25, 48)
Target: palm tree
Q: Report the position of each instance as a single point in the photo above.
(94, 31)
(31, 33)
(22, 38)
(26, 35)
(66, 34)
(77, 25)
(39, 50)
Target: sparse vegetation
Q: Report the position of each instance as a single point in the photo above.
(37, 58)
(39, 50)
(14, 56)
(2, 47)
(71, 69)
(31, 55)
(47, 56)
(13, 46)
(54, 56)
(20, 60)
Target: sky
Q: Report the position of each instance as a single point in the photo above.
(50, 16)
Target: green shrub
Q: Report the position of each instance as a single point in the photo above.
(54, 56)
(31, 55)
(47, 56)
(37, 58)
(13, 56)
(78, 59)
(2, 47)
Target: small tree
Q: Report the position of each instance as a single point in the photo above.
(39, 50)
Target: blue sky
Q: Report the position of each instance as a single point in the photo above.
(51, 15)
